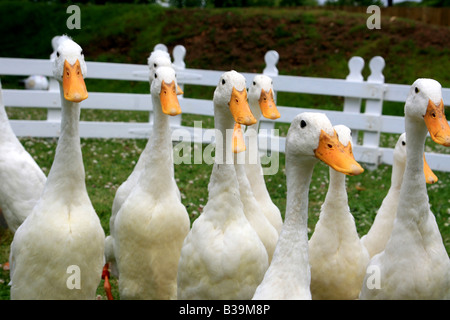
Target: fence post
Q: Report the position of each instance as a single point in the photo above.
(374, 109)
(53, 114)
(178, 53)
(353, 105)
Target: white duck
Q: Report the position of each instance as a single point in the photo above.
(222, 256)
(157, 58)
(310, 137)
(152, 223)
(380, 231)
(57, 253)
(414, 263)
(22, 178)
(337, 258)
(254, 213)
(36, 82)
(261, 101)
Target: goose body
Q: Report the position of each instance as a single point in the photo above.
(379, 233)
(414, 264)
(261, 101)
(222, 256)
(259, 209)
(58, 251)
(157, 58)
(36, 82)
(22, 178)
(338, 259)
(152, 223)
(310, 137)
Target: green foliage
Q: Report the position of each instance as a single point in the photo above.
(362, 3)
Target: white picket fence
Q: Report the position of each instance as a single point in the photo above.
(355, 90)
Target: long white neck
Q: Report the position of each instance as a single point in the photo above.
(67, 175)
(398, 170)
(159, 160)
(413, 191)
(292, 246)
(5, 128)
(223, 123)
(253, 165)
(336, 196)
(223, 181)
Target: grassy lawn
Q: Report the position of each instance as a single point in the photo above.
(316, 43)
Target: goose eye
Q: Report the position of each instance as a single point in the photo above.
(254, 83)
(57, 54)
(416, 90)
(155, 65)
(156, 75)
(403, 143)
(223, 81)
(302, 124)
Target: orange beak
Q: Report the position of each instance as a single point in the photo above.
(238, 143)
(267, 104)
(169, 100)
(242, 115)
(437, 123)
(73, 83)
(333, 153)
(179, 90)
(240, 109)
(430, 177)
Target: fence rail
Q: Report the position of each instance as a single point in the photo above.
(355, 90)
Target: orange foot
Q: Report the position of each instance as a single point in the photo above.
(107, 285)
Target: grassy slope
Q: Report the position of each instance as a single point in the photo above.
(312, 43)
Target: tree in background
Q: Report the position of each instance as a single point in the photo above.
(362, 3)
(436, 3)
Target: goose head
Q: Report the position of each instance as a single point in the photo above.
(311, 136)
(164, 86)
(424, 103)
(230, 99)
(160, 58)
(400, 157)
(260, 98)
(70, 68)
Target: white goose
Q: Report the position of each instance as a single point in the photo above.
(57, 253)
(261, 101)
(380, 231)
(22, 178)
(152, 223)
(337, 258)
(414, 263)
(310, 137)
(157, 58)
(222, 256)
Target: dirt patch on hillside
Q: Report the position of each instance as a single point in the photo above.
(233, 40)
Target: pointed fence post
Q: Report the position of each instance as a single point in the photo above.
(353, 105)
(374, 109)
(178, 53)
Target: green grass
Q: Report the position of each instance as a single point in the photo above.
(127, 33)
